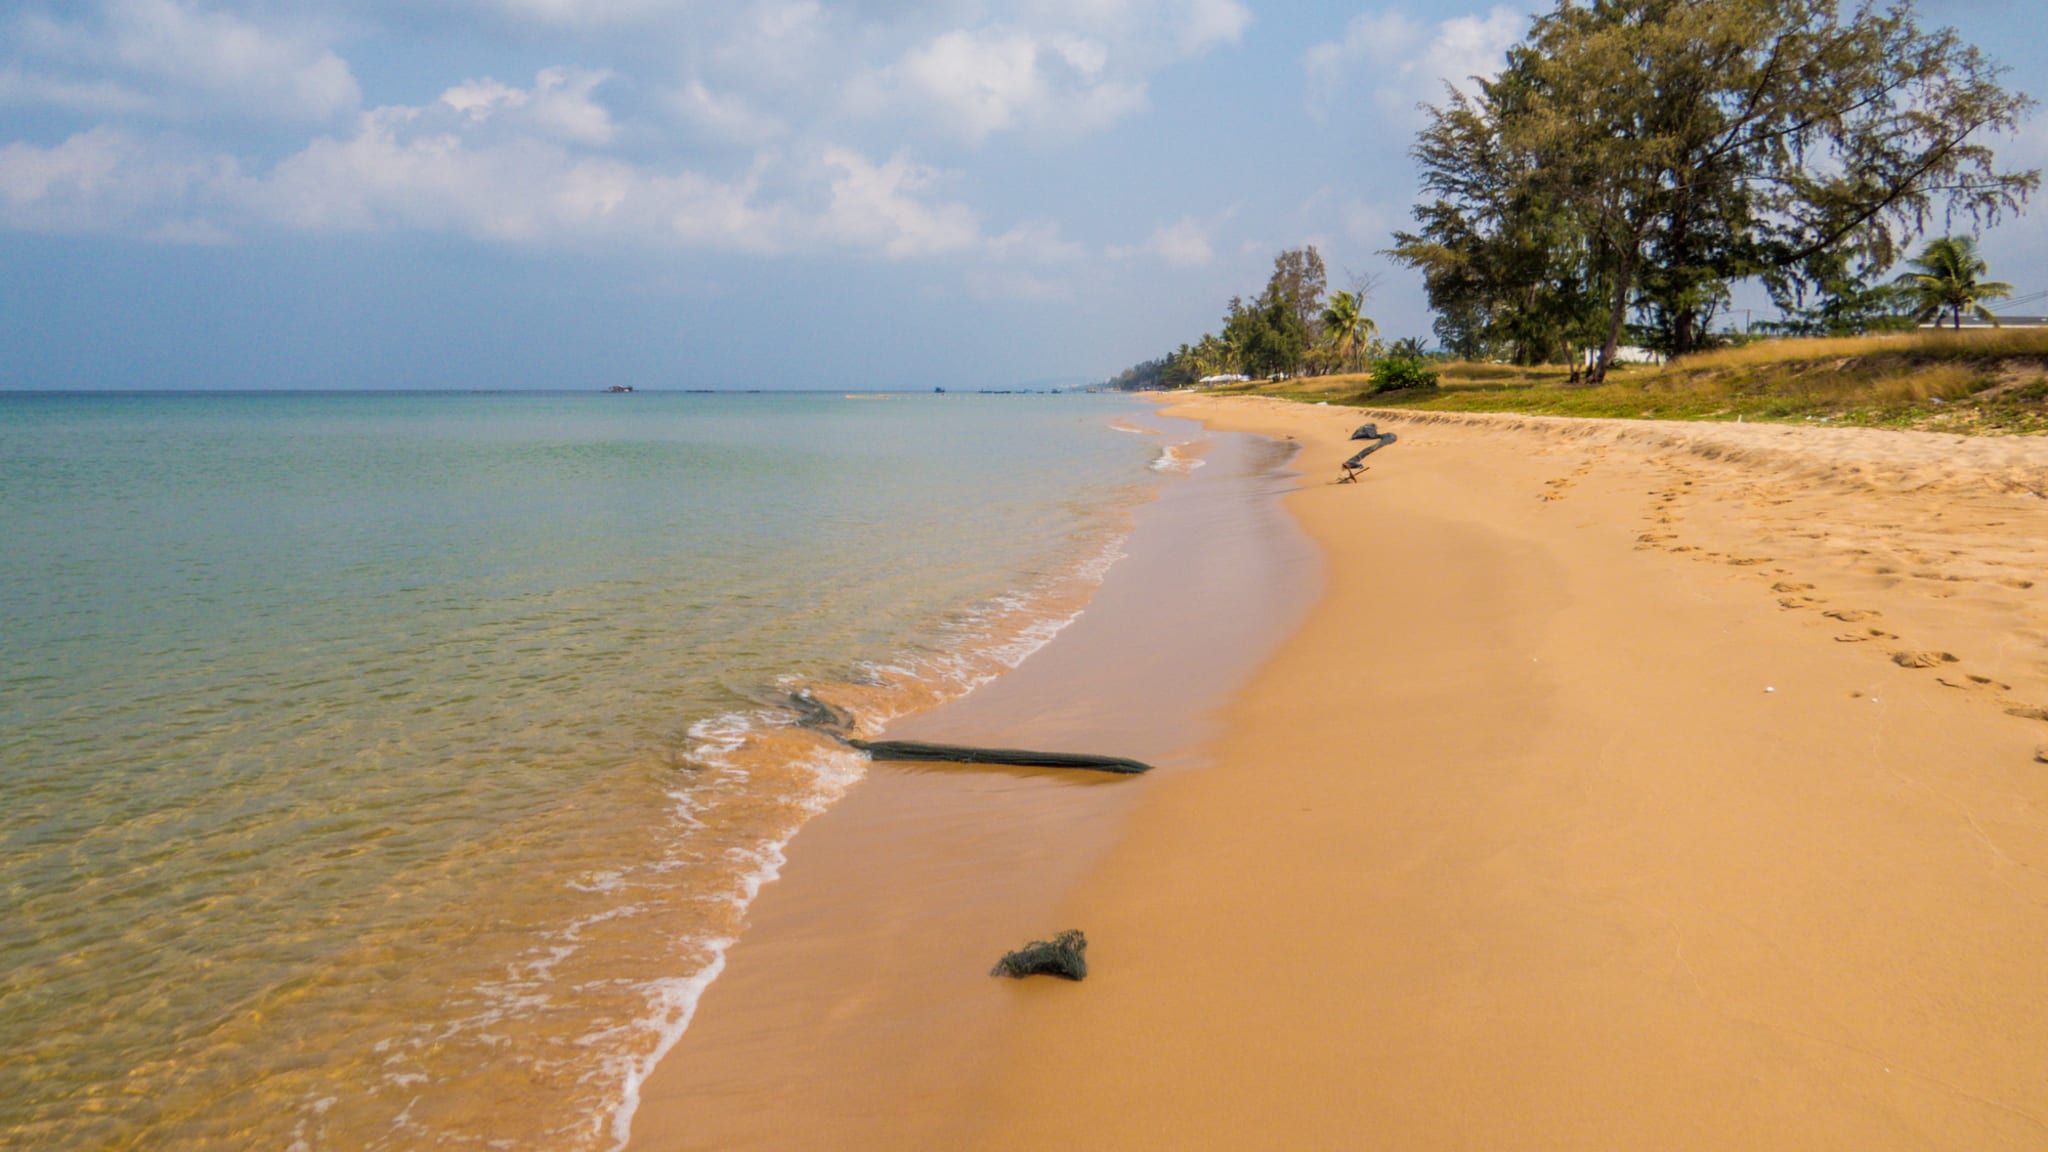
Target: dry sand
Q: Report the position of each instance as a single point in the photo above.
(1596, 807)
(1629, 786)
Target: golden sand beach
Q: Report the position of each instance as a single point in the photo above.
(1625, 785)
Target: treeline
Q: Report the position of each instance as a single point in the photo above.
(1634, 159)
(1294, 327)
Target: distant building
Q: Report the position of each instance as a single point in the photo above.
(1224, 380)
(1978, 323)
(1626, 354)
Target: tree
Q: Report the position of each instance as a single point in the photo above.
(1506, 265)
(1837, 295)
(1945, 279)
(1267, 334)
(1655, 151)
(1298, 274)
(1347, 331)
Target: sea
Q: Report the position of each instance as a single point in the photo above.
(393, 770)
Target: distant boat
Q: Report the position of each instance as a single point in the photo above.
(940, 391)
(620, 388)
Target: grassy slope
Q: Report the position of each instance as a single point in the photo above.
(1983, 382)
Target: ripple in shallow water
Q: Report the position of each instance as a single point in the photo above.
(391, 770)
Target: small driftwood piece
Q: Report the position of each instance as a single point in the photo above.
(1356, 465)
(963, 754)
(1059, 956)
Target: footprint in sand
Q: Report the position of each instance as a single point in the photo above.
(2027, 712)
(1973, 683)
(1852, 615)
(1789, 586)
(1910, 658)
(1872, 634)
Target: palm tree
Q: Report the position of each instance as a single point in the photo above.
(1945, 281)
(1348, 333)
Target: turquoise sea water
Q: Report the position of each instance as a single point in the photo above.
(390, 771)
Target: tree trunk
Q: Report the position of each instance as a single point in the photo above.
(1623, 280)
(1683, 338)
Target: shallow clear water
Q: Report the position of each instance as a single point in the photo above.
(389, 770)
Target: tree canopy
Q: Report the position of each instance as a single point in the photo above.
(1640, 156)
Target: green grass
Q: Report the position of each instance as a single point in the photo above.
(1992, 382)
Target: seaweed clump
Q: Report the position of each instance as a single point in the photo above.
(1059, 956)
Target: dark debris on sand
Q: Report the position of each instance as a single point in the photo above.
(1059, 956)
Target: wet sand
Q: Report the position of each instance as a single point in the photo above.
(857, 1010)
(1628, 785)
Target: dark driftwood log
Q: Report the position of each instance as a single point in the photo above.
(817, 715)
(962, 754)
(1384, 439)
(1367, 432)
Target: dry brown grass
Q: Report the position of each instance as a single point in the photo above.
(1929, 344)
(1980, 381)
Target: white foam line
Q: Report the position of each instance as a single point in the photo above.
(1172, 459)
(682, 993)
(675, 999)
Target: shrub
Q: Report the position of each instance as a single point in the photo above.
(1399, 374)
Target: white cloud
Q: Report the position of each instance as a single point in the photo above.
(877, 206)
(782, 45)
(990, 80)
(505, 164)
(1034, 242)
(558, 105)
(107, 180)
(1183, 243)
(1189, 242)
(93, 97)
(581, 12)
(1186, 27)
(1208, 23)
(164, 58)
(1406, 61)
(726, 117)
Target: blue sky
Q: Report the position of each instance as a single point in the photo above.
(751, 193)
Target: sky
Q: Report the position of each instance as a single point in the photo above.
(736, 194)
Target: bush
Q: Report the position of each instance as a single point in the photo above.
(1398, 374)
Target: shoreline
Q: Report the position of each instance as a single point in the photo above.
(1623, 785)
(855, 1007)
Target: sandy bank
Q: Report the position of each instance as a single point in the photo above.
(1631, 786)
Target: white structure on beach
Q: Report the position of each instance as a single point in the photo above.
(1626, 354)
(1978, 323)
